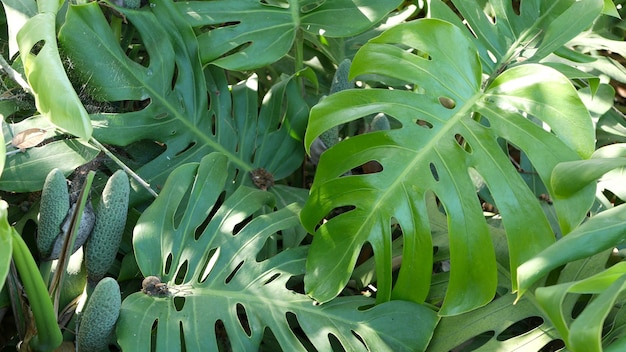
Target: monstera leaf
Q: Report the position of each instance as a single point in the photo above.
(54, 95)
(222, 290)
(451, 133)
(266, 30)
(173, 87)
(531, 32)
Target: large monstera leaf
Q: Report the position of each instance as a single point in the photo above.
(174, 88)
(221, 287)
(505, 35)
(452, 133)
(266, 30)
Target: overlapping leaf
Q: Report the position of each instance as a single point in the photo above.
(26, 171)
(208, 255)
(504, 35)
(266, 30)
(54, 95)
(175, 87)
(5, 243)
(454, 127)
(585, 332)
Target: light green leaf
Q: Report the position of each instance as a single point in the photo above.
(245, 29)
(207, 254)
(433, 150)
(603, 231)
(609, 9)
(569, 177)
(54, 95)
(502, 36)
(17, 14)
(585, 332)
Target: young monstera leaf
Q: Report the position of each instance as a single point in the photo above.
(450, 132)
(172, 90)
(209, 284)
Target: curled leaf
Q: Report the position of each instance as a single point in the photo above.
(28, 138)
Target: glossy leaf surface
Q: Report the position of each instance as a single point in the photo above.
(244, 29)
(54, 95)
(434, 150)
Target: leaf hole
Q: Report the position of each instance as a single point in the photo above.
(423, 123)
(182, 273)
(241, 225)
(217, 205)
(294, 326)
(463, 143)
(554, 345)
(447, 103)
(516, 5)
(209, 263)
(358, 337)
(296, 284)
(200, 228)
(233, 273)
(519, 328)
(370, 167)
(272, 278)
(366, 253)
(179, 303)
(189, 146)
(335, 344)
(485, 121)
(492, 57)
(238, 48)
(421, 54)
(242, 316)
(223, 340)
(339, 210)
(154, 333)
(580, 305)
(37, 47)
(433, 171)
(174, 76)
(168, 264)
(181, 333)
(475, 342)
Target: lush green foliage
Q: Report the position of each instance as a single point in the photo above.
(459, 105)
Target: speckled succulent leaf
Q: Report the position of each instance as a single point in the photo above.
(103, 244)
(206, 253)
(98, 319)
(53, 209)
(433, 151)
(231, 46)
(177, 85)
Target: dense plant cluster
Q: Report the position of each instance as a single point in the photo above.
(313, 175)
